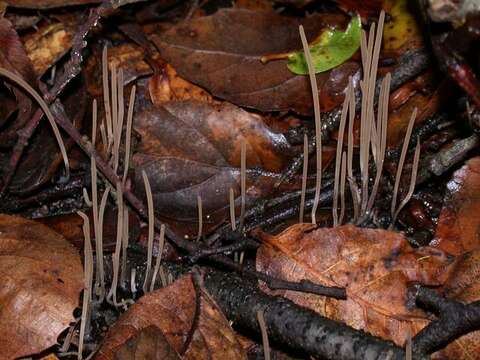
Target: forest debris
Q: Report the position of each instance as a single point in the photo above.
(172, 309)
(375, 266)
(231, 68)
(42, 278)
(458, 229)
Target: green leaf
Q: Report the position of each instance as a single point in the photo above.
(330, 49)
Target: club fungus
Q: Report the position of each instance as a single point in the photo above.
(200, 217)
(304, 177)
(232, 210)
(101, 213)
(123, 272)
(128, 135)
(112, 294)
(413, 180)
(243, 181)
(318, 134)
(161, 245)
(151, 222)
(338, 158)
(87, 290)
(22, 83)
(343, 175)
(401, 161)
(106, 99)
(263, 330)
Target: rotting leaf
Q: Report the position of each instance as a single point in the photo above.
(192, 148)
(375, 266)
(222, 53)
(47, 45)
(458, 229)
(330, 49)
(172, 310)
(401, 32)
(42, 278)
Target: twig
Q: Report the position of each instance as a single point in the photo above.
(197, 285)
(455, 319)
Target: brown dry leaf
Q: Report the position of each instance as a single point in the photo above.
(47, 4)
(375, 266)
(222, 54)
(148, 343)
(14, 58)
(42, 277)
(192, 148)
(458, 229)
(129, 57)
(172, 309)
(166, 86)
(46, 46)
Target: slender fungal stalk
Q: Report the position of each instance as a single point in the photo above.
(101, 213)
(413, 181)
(106, 99)
(123, 273)
(200, 217)
(128, 135)
(304, 177)
(151, 222)
(263, 329)
(112, 294)
(93, 174)
(243, 181)
(403, 154)
(338, 158)
(119, 126)
(343, 175)
(355, 192)
(318, 134)
(87, 290)
(22, 83)
(232, 210)
(161, 245)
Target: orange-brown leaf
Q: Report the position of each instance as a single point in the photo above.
(375, 266)
(172, 310)
(42, 278)
(458, 229)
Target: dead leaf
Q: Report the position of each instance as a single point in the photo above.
(458, 229)
(375, 266)
(172, 309)
(42, 277)
(46, 46)
(167, 86)
(14, 58)
(47, 4)
(222, 54)
(192, 148)
(148, 343)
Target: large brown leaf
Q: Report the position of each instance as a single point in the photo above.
(172, 310)
(42, 278)
(458, 229)
(375, 266)
(47, 4)
(13, 57)
(192, 148)
(222, 54)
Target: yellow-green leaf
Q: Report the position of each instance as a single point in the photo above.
(330, 49)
